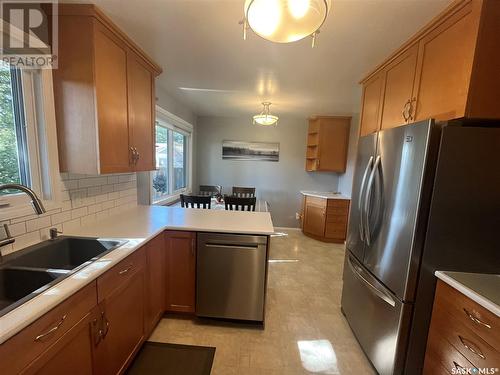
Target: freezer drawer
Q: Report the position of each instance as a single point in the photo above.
(230, 276)
(379, 321)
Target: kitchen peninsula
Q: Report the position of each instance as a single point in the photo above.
(153, 272)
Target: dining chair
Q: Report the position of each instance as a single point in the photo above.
(210, 190)
(196, 200)
(239, 203)
(245, 192)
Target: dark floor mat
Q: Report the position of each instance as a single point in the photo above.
(172, 359)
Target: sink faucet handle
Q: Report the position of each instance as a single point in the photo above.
(53, 232)
(5, 236)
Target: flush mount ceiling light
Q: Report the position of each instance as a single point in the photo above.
(265, 118)
(285, 21)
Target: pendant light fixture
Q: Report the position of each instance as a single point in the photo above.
(265, 118)
(285, 21)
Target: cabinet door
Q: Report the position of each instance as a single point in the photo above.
(333, 144)
(111, 96)
(122, 314)
(399, 81)
(180, 271)
(445, 64)
(71, 354)
(372, 101)
(155, 280)
(141, 113)
(315, 216)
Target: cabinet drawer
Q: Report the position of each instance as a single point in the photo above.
(336, 231)
(343, 211)
(339, 203)
(439, 350)
(473, 347)
(339, 219)
(467, 312)
(39, 336)
(120, 274)
(315, 201)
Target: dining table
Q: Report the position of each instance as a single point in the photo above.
(260, 205)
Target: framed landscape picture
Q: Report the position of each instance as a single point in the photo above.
(258, 151)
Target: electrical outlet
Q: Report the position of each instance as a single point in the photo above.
(297, 215)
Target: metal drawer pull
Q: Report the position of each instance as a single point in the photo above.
(476, 320)
(126, 270)
(51, 331)
(466, 343)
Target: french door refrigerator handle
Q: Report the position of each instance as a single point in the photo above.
(367, 200)
(380, 294)
(360, 199)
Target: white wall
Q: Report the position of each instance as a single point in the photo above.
(277, 182)
(345, 180)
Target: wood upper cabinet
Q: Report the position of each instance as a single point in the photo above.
(155, 281)
(122, 305)
(398, 92)
(104, 95)
(448, 70)
(111, 101)
(180, 271)
(141, 101)
(372, 104)
(327, 144)
(445, 62)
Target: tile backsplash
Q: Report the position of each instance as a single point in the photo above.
(84, 199)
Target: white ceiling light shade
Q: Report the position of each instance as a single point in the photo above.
(265, 118)
(285, 21)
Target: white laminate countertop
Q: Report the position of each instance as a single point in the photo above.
(324, 194)
(481, 288)
(137, 225)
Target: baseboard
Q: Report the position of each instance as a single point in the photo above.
(286, 228)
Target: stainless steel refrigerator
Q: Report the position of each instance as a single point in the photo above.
(426, 196)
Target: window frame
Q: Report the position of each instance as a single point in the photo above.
(174, 123)
(39, 117)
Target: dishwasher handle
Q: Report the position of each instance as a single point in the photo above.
(235, 246)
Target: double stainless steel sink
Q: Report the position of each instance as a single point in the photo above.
(28, 272)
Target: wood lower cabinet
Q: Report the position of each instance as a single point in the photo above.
(327, 144)
(180, 252)
(463, 335)
(121, 313)
(71, 354)
(448, 70)
(43, 336)
(155, 282)
(325, 219)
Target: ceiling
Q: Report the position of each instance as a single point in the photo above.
(210, 68)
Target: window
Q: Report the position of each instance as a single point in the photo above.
(172, 176)
(14, 160)
(28, 142)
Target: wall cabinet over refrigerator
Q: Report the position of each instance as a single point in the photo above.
(104, 93)
(448, 70)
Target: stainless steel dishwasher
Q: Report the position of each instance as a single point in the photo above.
(231, 276)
